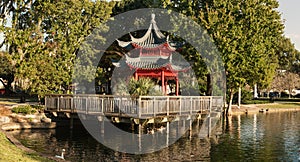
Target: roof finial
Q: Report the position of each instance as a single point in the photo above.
(153, 17)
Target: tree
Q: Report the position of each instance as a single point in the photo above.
(45, 36)
(285, 80)
(6, 70)
(187, 50)
(141, 87)
(287, 54)
(245, 33)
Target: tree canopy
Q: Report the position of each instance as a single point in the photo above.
(44, 38)
(246, 33)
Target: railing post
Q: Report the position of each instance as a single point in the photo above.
(153, 103)
(112, 104)
(180, 105)
(119, 103)
(71, 105)
(102, 105)
(57, 103)
(210, 105)
(46, 102)
(86, 105)
(168, 105)
(191, 107)
(139, 107)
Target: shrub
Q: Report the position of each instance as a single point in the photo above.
(24, 109)
(38, 107)
(245, 98)
(141, 87)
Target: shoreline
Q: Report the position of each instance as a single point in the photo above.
(6, 129)
(11, 121)
(262, 108)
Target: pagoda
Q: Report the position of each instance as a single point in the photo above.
(151, 56)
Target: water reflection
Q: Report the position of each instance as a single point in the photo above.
(80, 146)
(258, 137)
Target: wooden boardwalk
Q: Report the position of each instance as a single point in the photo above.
(141, 107)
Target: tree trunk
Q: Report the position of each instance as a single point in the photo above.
(229, 111)
(239, 97)
(23, 97)
(255, 94)
(6, 86)
(208, 85)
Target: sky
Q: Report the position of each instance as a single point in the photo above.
(290, 10)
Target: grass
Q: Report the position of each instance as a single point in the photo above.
(282, 105)
(257, 102)
(11, 153)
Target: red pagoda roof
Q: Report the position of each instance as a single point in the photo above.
(153, 38)
(153, 51)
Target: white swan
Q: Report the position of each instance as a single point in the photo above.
(62, 155)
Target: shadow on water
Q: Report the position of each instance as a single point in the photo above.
(257, 137)
(81, 146)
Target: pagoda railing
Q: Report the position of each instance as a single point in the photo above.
(142, 106)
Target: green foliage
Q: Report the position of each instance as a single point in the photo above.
(44, 38)
(7, 70)
(120, 88)
(141, 87)
(6, 67)
(38, 107)
(288, 56)
(24, 109)
(135, 88)
(246, 45)
(188, 86)
(246, 96)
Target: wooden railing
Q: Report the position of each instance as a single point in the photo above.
(142, 106)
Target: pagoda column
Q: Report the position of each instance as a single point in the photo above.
(166, 87)
(136, 76)
(177, 86)
(163, 81)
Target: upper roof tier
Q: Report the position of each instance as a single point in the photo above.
(153, 38)
(153, 62)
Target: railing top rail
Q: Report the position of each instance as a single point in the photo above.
(85, 95)
(141, 97)
(181, 96)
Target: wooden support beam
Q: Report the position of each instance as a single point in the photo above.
(163, 81)
(177, 86)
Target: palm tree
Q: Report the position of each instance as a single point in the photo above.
(140, 87)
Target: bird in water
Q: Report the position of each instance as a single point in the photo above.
(62, 154)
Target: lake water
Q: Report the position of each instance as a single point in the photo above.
(257, 137)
